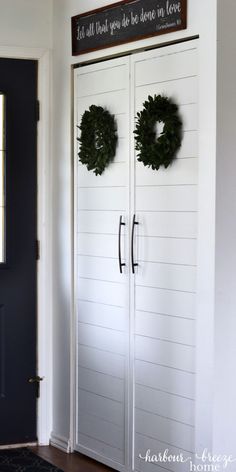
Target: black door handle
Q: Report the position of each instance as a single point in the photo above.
(134, 264)
(121, 264)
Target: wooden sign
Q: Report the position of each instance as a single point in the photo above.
(126, 21)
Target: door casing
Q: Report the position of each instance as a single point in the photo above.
(44, 208)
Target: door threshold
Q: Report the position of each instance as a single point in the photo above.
(16, 446)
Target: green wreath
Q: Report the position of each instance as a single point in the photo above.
(98, 139)
(156, 151)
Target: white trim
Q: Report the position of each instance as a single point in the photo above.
(206, 231)
(60, 442)
(44, 206)
(45, 262)
(132, 211)
(15, 52)
(73, 337)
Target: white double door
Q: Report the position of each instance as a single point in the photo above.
(136, 332)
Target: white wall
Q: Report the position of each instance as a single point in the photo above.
(26, 23)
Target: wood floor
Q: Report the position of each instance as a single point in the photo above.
(69, 462)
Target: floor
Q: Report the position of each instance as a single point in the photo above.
(69, 462)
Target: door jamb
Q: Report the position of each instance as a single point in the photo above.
(44, 209)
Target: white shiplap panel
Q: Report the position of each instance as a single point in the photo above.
(101, 292)
(122, 150)
(101, 384)
(142, 466)
(101, 338)
(105, 222)
(181, 91)
(122, 131)
(167, 224)
(108, 452)
(180, 172)
(167, 250)
(168, 276)
(166, 204)
(189, 115)
(165, 430)
(143, 444)
(166, 67)
(166, 302)
(101, 430)
(115, 176)
(109, 293)
(101, 407)
(102, 315)
(165, 404)
(165, 379)
(168, 328)
(114, 102)
(176, 198)
(165, 353)
(105, 80)
(189, 145)
(101, 245)
(102, 199)
(100, 361)
(99, 269)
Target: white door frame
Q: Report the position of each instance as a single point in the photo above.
(44, 208)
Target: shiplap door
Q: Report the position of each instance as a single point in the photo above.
(165, 204)
(102, 292)
(136, 332)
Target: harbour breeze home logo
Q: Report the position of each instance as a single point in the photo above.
(199, 462)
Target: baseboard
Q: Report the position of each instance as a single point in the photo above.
(60, 442)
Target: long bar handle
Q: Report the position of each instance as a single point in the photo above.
(121, 264)
(134, 264)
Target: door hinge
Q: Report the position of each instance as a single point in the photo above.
(37, 110)
(37, 250)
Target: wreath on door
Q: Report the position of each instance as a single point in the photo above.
(98, 139)
(155, 151)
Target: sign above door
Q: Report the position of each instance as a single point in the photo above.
(126, 21)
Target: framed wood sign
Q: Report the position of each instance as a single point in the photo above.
(126, 21)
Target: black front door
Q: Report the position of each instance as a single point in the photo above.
(18, 94)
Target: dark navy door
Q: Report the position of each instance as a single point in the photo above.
(18, 141)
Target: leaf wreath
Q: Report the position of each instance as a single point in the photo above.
(98, 139)
(156, 151)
